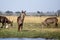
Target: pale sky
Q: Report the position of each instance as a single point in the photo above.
(30, 5)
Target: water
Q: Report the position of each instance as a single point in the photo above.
(26, 39)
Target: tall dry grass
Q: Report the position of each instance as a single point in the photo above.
(31, 19)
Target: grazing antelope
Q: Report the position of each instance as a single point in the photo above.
(51, 20)
(5, 20)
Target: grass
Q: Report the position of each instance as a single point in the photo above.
(31, 19)
(30, 30)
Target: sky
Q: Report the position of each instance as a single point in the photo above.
(30, 5)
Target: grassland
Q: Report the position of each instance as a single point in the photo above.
(31, 19)
(31, 29)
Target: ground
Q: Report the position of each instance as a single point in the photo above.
(30, 30)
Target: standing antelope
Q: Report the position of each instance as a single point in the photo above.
(20, 20)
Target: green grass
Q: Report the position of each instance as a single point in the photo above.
(30, 30)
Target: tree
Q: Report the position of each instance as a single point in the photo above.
(58, 12)
(9, 12)
(1, 13)
(40, 13)
(17, 13)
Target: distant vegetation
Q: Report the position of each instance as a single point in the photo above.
(37, 13)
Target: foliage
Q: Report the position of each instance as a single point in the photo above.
(9, 12)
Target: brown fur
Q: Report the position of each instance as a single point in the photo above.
(20, 20)
(51, 20)
(5, 20)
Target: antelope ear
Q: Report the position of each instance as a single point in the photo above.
(21, 11)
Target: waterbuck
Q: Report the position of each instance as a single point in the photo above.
(20, 20)
(50, 20)
(5, 20)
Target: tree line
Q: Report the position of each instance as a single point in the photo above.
(37, 13)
